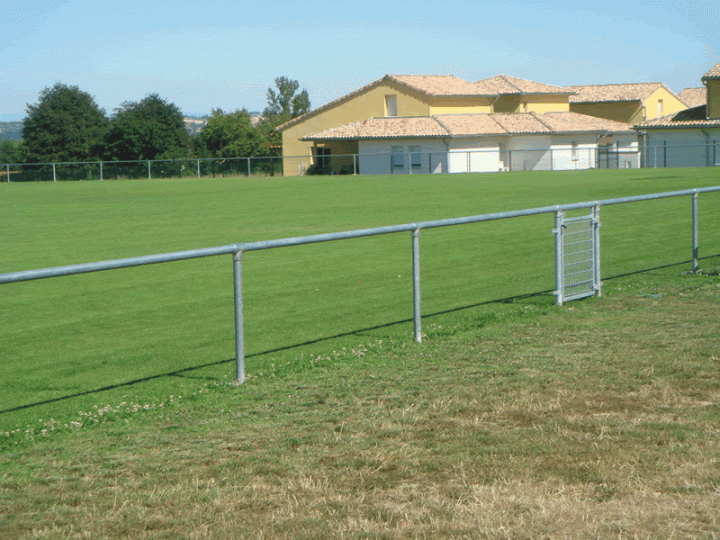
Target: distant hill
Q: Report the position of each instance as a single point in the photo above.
(194, 125)
(11, 130)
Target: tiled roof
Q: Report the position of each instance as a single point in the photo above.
(714, 73)
(502, 84)
(445, 86)
(693, 97)
(570, 122)
(438, 85)
(597, 93)
(470, 125)
(389, 127)
(695, 117)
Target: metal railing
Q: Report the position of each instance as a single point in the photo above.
(462, 161)
(237, 251)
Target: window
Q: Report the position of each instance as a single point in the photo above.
(524, 106)
(415, 158)
(398, 159)
(391, 105)
(660, 108)
(323, 160)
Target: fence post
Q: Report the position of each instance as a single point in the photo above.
(198, 168)
(101, 172)
(559, 278)
(354, 164)
(248, 161)
(239, 319)
(695, 244)
(597, 282)
(148, 169)
(417, 315)
(7, 165)
(54, 176)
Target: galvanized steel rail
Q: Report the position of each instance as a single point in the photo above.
(237, 250)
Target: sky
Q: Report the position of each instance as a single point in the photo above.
(208, 54)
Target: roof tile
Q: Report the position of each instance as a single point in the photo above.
(695, 117)
(595, 93)
(470, 125)
(437, 85)
(714, 73)
(693, 97)
(503, 84)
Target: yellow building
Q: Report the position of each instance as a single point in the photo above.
(410, 96)
(627, 103)
(688, 138)
(711, 80)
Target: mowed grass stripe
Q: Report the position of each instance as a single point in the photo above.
(75, 334)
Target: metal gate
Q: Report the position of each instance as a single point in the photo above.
(577, 256)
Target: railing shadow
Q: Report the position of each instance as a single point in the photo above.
(185, 371)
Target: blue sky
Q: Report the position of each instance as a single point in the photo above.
(205, 54)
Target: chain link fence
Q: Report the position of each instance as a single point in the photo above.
(418, 162)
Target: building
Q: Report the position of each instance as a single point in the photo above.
(627, 103)
(407, 123)
(694, 97)
(689, 138)
(477, 143)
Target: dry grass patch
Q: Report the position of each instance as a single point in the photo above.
(595, 421)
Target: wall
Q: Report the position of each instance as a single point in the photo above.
(583, 157)
(682, 148)
(628, 112)
(713, 105)
(538, 159)
(367, 104)
(461, 106)
(535, 103)
(671, 104)
(474, 155)
(376, 156)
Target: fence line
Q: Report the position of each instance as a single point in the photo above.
(237, 250)
(463, 161)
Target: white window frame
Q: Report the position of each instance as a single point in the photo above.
(397, 160)
(391, 107)
(415, 158)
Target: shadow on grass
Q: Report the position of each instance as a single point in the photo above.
(186, 371)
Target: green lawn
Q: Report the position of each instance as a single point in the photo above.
(70, 336)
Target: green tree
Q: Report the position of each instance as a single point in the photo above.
(149, 129)
(11, 151)
(65, 125)
(283, 105)
(287, 103)
(231, 135)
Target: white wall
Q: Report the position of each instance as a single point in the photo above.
(529, 152)
(682, 147)
(474, 155)
(492, 154)
(376, 156)
(574, 152)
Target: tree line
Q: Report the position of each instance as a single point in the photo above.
(67, 125)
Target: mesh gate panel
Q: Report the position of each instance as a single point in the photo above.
(577, 257)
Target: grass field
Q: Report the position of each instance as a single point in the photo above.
(315, 315)
(72, 335)
(598, 420)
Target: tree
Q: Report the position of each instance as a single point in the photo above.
(150, 129)
(11, 151)
(286, 103)
(65, 125)
(231, 135)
